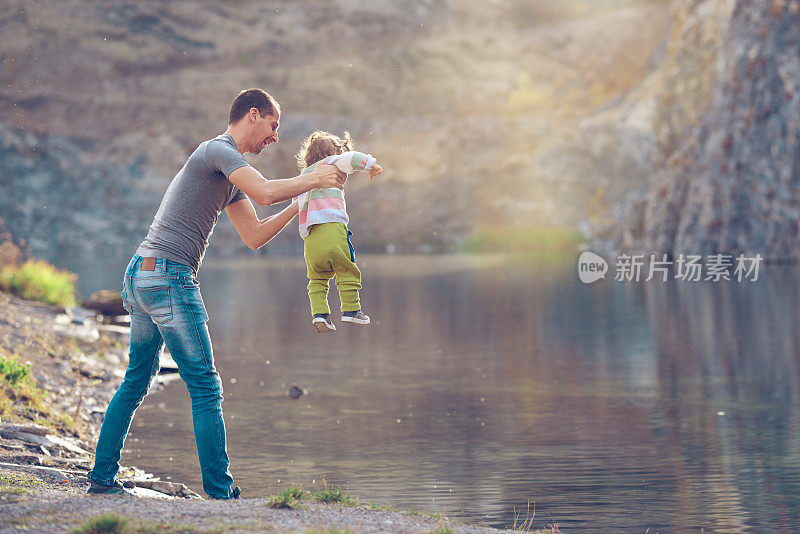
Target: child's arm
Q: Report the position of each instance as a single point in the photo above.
(355, 161)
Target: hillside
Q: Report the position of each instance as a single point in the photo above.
(473, 107)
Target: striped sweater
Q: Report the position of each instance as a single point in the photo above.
(320, 206)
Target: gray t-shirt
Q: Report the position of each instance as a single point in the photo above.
(193, 201)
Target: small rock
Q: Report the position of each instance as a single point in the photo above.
(296, 392)
(163, 487)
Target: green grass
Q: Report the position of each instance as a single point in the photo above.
(334, 494)
(444, 529)
(21, 398)
(287, 498)
(18, 390)
(13, 372)
(13, 491)
(292, 496)
(112, 523)
(107, 523)
(40, 281)
(19, 479)
(548, 244)
(17, 484)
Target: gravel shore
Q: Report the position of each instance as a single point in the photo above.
(41, 504)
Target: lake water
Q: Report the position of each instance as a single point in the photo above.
(486, 383)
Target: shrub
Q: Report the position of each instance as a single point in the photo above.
(39, 280)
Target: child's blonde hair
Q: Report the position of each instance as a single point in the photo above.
(320, 145)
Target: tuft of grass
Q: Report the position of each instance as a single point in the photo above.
(112, 523)
(442, 529)
(13, 372)
(19, 480)
(287, 498)
(527, 521)
(21, 397)
(335, 494)
(39, 280)
(525, 524)
(17, 386)
(13, 491)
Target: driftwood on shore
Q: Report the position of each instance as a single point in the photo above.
(107, 302)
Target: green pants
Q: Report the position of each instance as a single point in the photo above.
(328, 253)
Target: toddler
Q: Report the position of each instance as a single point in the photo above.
(323, 227)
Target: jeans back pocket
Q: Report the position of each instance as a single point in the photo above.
(157, 303)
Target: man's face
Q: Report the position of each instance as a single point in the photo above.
(265, 132)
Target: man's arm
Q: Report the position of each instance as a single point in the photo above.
(257, 232)
(266, 192)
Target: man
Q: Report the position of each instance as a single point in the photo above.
(162, 295)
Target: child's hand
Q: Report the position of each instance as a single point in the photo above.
(375, 171)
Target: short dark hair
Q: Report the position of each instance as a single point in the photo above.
(253, 98)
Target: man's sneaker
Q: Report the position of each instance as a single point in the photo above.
(356, 317)
(114, 489)
(322, 323)
(235, 492)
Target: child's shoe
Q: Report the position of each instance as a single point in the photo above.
(322, 323)
(356, 317)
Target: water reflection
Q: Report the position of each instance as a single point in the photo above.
(485, 383)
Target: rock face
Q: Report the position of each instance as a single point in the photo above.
(729, 167)
(61, 202)
(100, 106)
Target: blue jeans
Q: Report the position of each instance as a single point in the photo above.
(166, 307)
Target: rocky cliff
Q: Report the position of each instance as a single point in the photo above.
(100, 104)
(725, 171)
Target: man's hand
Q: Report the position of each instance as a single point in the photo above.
(328, 176)
(375, 171)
